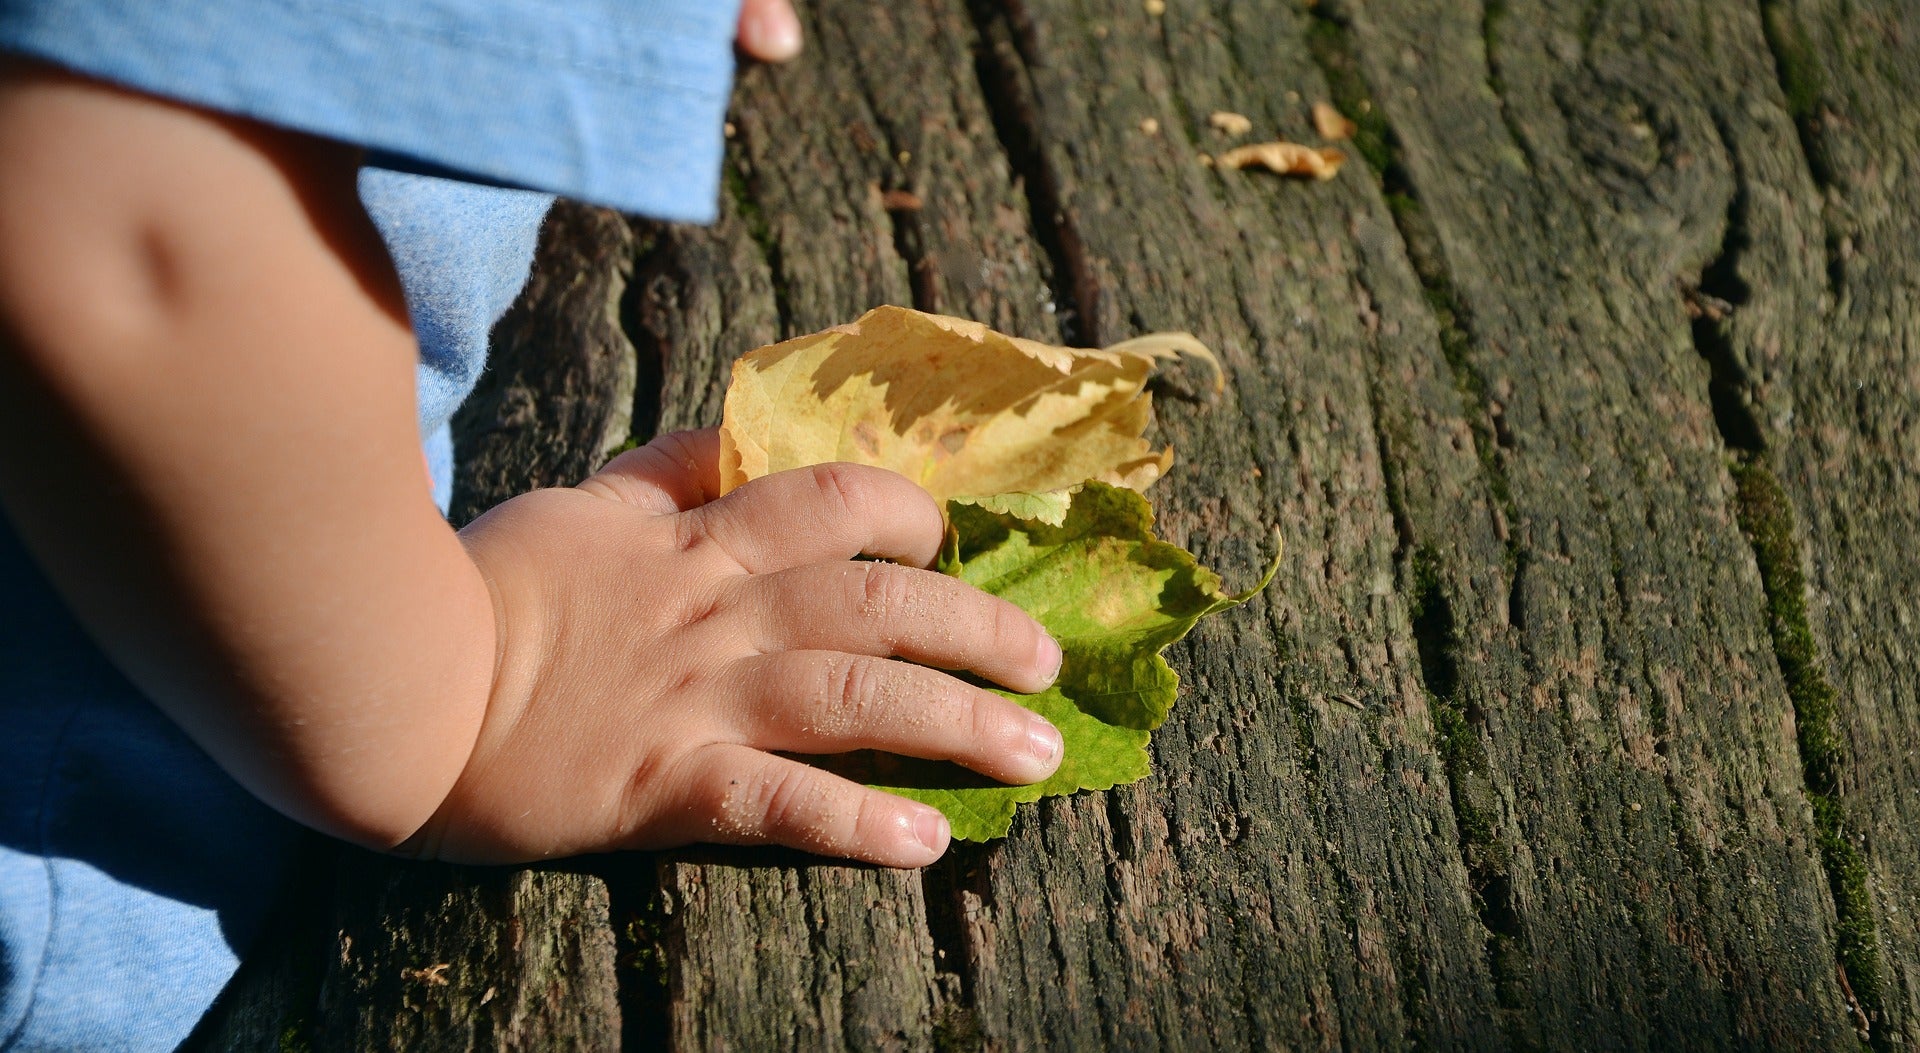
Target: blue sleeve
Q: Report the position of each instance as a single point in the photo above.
(614, 102)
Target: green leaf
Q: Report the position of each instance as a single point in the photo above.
(1114, 596)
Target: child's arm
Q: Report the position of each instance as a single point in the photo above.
(208, 439)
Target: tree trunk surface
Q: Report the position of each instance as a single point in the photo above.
(1586, 397)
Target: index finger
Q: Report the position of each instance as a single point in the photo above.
(824, 513)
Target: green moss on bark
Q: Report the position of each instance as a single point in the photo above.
(1766, 517)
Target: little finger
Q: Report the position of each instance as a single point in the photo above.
(742, 796)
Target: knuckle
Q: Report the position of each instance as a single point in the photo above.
(998, 727)
(674, 447)
(847, 489)
(873, 814)
(886, 590)
(852, 685)
(723, 800)
(639, 797)
(689, 533)
(854, 694)
(703, 603)
(1008, 628)
(832, 710)
(803, 808)
(786, 801)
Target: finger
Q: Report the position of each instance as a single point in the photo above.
(673, 473)
(828, 512)
(742, 796)
(892, 611)
(822, 702)
(769, 30)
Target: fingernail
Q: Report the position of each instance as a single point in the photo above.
(776, 35)
(1043, 739)
(1047, 655)
(932, 830)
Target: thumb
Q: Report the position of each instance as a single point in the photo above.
(673, 473)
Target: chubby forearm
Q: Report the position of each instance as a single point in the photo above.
(207, 437)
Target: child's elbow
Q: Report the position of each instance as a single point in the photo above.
(383, 805)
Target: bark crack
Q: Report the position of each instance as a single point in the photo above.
(652, 255)
(1804, 87)
(637, 907)
(942, 887)
(1413, 986)
(820, 949)
(1376, 143)
(738, 185)
(900, 202)
(1458, 719)
(909, 243)
(1766, 518)
(1492, 14)
(1710, 302)
(1001, 61)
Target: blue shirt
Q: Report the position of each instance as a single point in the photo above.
(615, 102)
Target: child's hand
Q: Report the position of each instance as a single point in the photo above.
(656, 644)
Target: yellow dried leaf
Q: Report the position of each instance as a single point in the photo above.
(1331, 123)
(1230, 122)
(1287, 159)
(956, 407)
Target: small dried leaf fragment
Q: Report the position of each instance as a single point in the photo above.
(1287, 158)
(1331, 123)
(956, 407)
(1229, 122)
